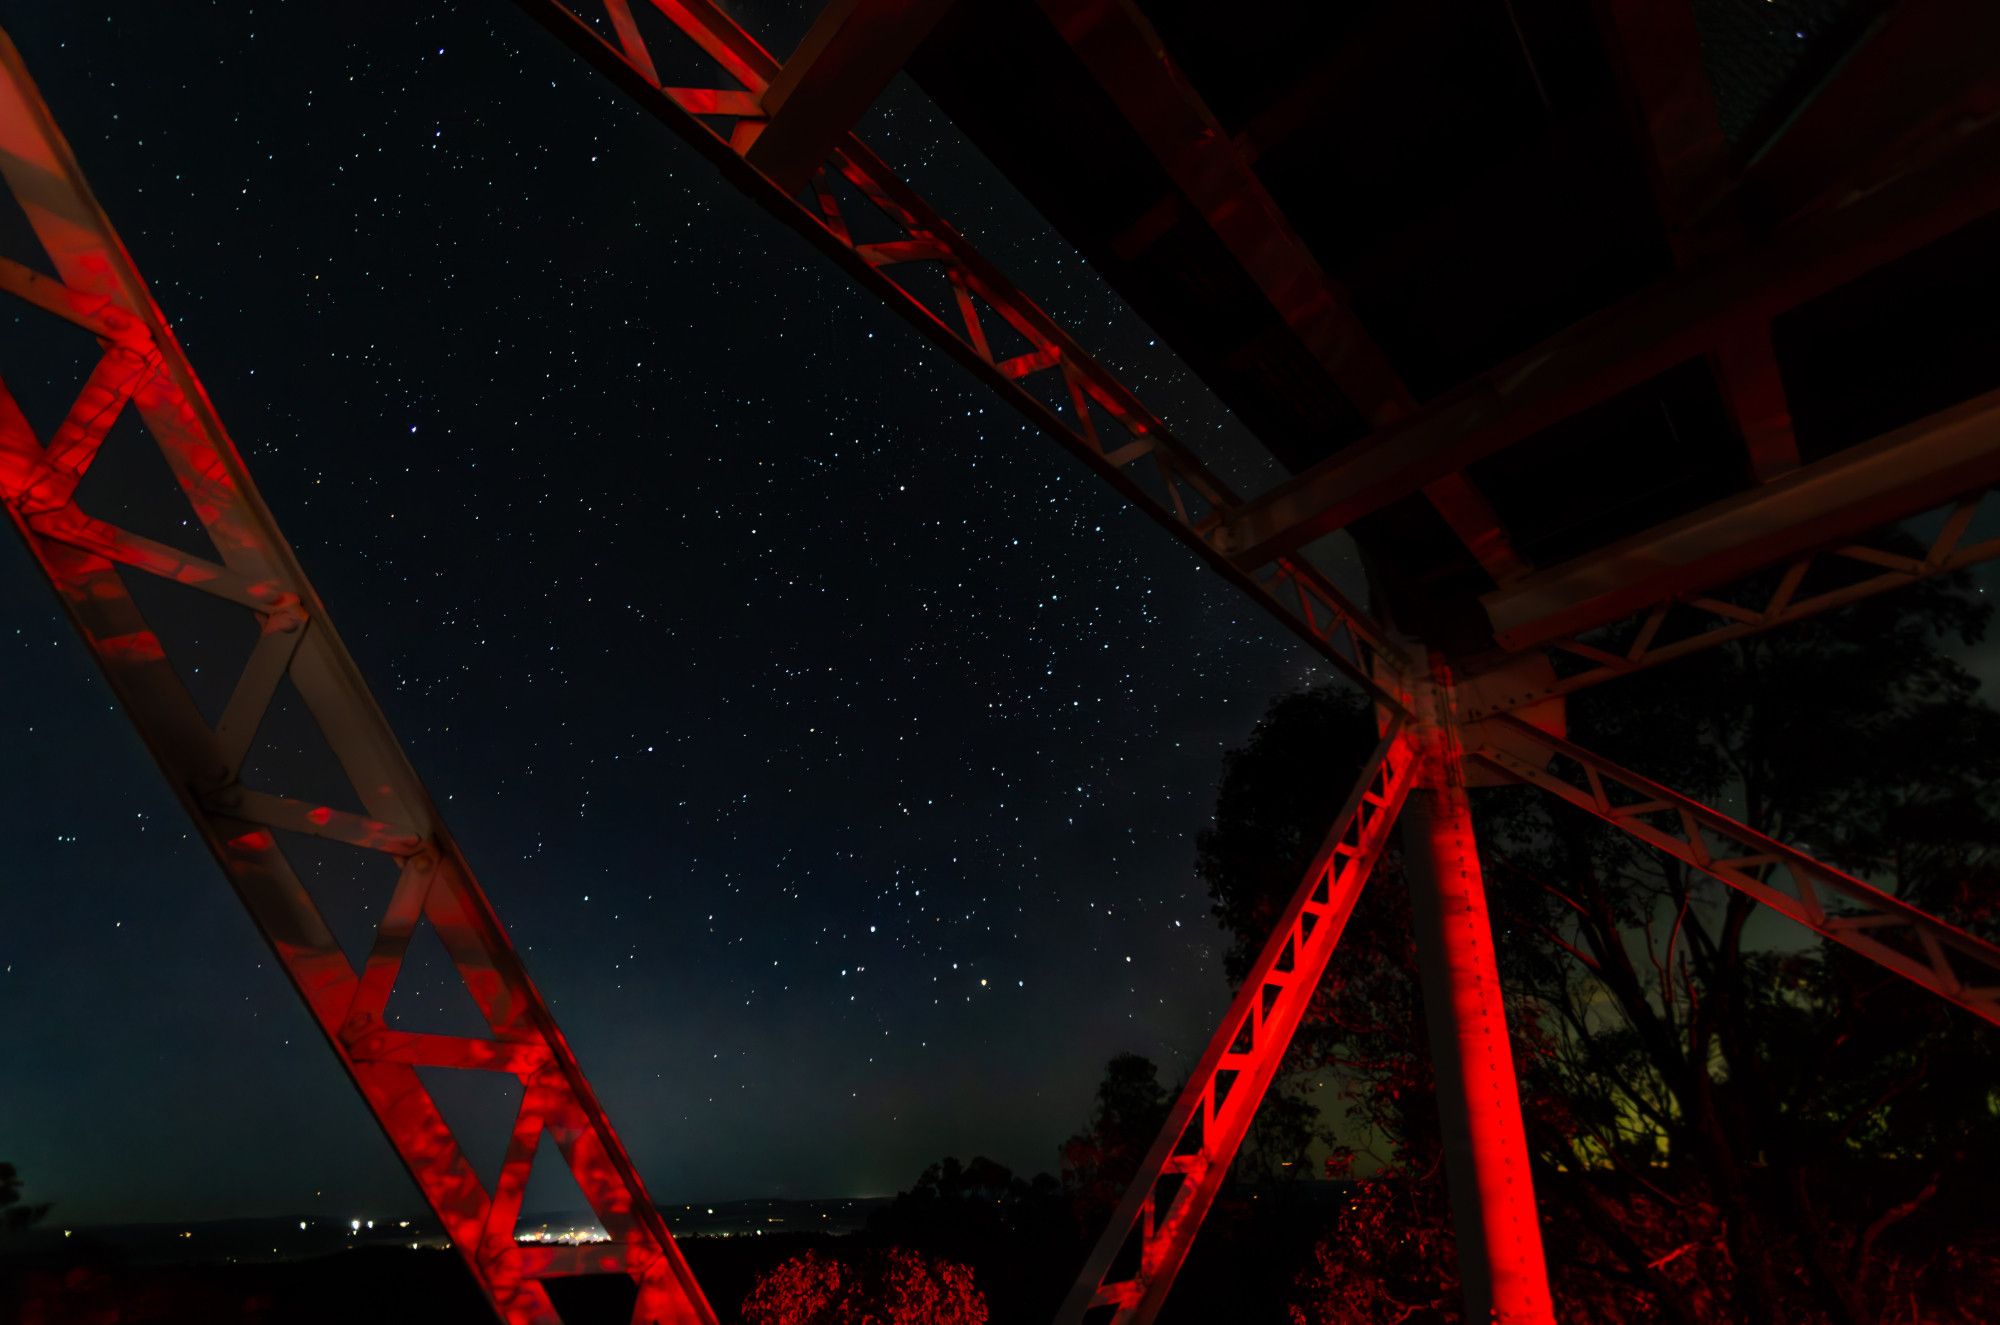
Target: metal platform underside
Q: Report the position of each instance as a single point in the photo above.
(1511, 287)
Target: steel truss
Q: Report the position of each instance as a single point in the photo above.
(97, 288)
(727, 123)
(1083, 406)
(1059, 388)
(1416, 772)
(1131, 1270)
(1132, 1267)
(1804, 586)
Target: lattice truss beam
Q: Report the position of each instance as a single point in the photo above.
(1135, 1261)
(1896, 936)
(92, 562)
(973, 312)
(1796, 588)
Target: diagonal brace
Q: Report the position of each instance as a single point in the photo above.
(1183, 1172)
(1914, 944)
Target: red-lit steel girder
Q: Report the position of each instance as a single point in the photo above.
(1894, 935)
(1418, 771)
(1096, 417)
(1501, 1267)
(96, 287)
(1132, 1267)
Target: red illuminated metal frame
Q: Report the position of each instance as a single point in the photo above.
(97, 288)
(1058, 387)
(1133, 1265)
(1894, 935)
(1093, 415)
(1419, 770)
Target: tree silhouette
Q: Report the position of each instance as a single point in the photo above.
(1099, 1162)
(15, 1217)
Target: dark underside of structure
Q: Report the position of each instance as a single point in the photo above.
(1345, 217)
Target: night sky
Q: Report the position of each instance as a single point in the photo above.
(832, 744)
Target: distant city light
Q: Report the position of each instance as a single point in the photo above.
(569, 1237)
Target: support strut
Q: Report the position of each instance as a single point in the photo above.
(1479, 1101)
(1126, 1278)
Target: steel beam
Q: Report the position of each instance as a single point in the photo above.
(1609, 352)
(1500, 1261)
(1818, 581)
(1922, 75)
(97, 288)
(1896, 936)
(845, 60)
(1127, 58)
(1127, 1276)
(1094, 416)
(1892, 477)
(1777, 596)
(1655, 51)
(1124, 55)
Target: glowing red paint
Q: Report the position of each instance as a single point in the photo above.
(1479, 1101)
(141, 646)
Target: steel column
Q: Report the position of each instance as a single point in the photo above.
(1479, 1101)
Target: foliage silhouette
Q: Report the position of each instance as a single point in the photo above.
(893, 1287)
(15, 1216)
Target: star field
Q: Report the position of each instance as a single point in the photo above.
(832, 745)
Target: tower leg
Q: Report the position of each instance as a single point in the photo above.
(1479, 1103)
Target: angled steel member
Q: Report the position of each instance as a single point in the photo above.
(97, 288)
(1134, 1263)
